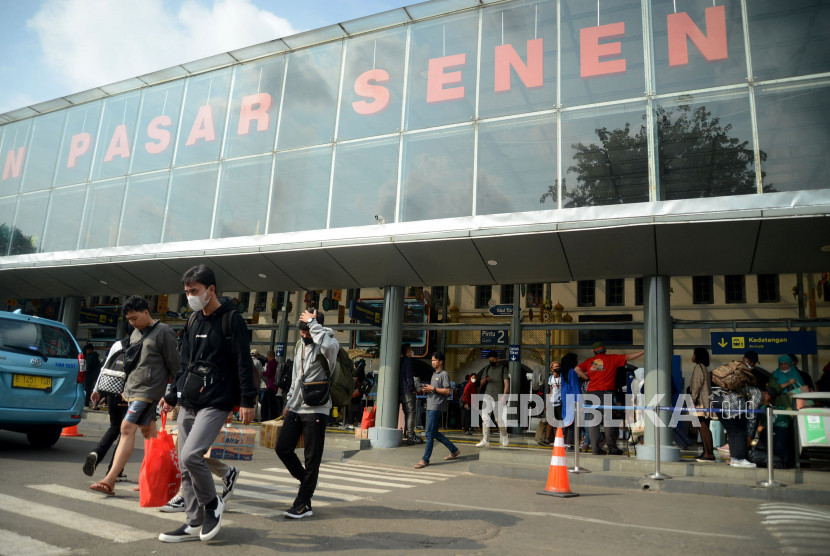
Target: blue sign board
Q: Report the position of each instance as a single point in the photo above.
(280, 349)
(514, 354)
(494, 337)
(500, 310)
(764, 342)
(365, 313)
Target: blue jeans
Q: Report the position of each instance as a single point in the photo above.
(433, 416)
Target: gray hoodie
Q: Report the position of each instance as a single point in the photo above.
(306, 367)
(158, 363)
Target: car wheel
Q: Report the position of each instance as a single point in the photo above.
(44, 437)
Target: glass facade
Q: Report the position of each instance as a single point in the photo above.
(521, 106)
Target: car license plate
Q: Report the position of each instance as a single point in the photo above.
(32, 382)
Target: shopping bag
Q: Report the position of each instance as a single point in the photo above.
(368, 420)
(160, 475)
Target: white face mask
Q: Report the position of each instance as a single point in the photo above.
(198, 302)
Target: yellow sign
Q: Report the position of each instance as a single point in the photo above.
(738, 342)
(162, 304)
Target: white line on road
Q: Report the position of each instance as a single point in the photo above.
(129, 504)
(374, 474)
(407, 472)
(75, 521)
(12, 544)
(333, 486)
(269, 497)
(338, 478)
(588, 520)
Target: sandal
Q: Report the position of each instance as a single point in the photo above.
(103, 487)
(453, 455)
(421, 464)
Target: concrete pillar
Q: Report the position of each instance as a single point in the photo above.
(659, 346)
(386, 433)
(71, 312)
(282, 336)
(515, 367)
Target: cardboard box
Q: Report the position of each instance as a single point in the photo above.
(269, 432)
(233, 443)
(361, 433)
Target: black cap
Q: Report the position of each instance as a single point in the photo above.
(493, 353)
(752, 356)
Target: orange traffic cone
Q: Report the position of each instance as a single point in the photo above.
(558, 484)
(71, 431)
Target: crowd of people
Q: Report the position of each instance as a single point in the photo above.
(206, 375)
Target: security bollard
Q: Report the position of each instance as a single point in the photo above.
(657, 475)
(576, 469)
(770, 482)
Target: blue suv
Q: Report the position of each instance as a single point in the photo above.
(42, 371)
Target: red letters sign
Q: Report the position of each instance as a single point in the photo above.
(600, 55)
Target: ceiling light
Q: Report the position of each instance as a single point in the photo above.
(261, 275)
(492, 262)
(103, 282)
(825, 248)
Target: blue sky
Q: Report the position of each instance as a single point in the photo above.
(52, 48)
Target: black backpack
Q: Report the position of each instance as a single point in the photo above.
(285, 374)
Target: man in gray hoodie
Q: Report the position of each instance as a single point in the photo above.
(307, 407)
(157, 363)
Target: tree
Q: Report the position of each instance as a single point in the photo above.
(696, 157)
(21, 244)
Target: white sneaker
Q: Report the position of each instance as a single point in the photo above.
(741, 463)
(504, 440)
(482, 444)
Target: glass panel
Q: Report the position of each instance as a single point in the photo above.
(28, 224)
(255, 107)
(365, 183)
(8, 206)
(190, 208)
(794, 137)
(310, 104)
(789, 38)
(705, 149)
(516, 166)
(115, 141)
(203, 117)
(102, 215)
(604, 156)
(373, 85)
(144, 209)
(437, 175)
(243, 197)
(43, 151)
(13, 156)
(707, 44)
(301, 191)
(78, 144)
(448, 46)
(509, 32)
(64, 221)
(157, 127)
(602, 51)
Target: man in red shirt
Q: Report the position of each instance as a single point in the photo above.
(601, 370)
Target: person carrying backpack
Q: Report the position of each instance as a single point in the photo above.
(308, 404)
(216, 374)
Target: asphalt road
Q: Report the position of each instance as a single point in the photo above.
(376, 503)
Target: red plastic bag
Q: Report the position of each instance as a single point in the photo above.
(160, 476)
(368, 420)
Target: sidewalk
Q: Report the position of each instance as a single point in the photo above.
(524, 459)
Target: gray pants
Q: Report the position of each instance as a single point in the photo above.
(197, 431)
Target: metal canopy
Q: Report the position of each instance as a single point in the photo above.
(771, 245)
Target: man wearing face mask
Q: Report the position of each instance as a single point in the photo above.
(307, 407)
(216, 374)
